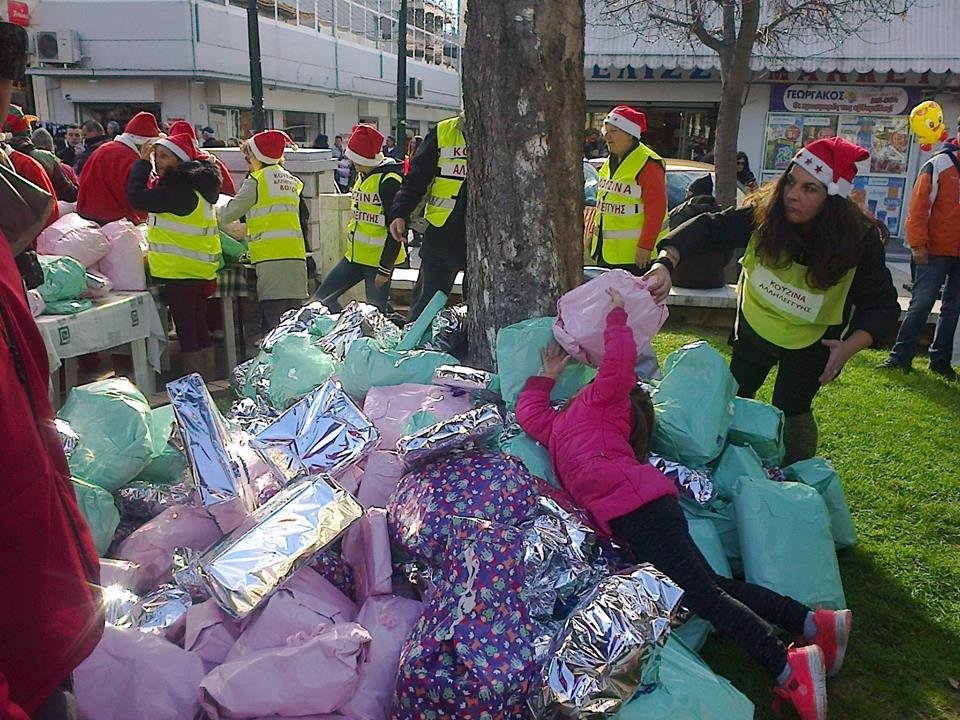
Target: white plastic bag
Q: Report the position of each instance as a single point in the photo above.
(74, 237)
(123, 263)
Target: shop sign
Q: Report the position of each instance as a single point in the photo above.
(843, 99)
(18, 13)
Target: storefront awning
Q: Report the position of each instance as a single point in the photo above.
(925, 40)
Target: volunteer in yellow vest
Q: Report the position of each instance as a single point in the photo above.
(631, 196)
(270, 199)
(436, 179)
(371, 251)
(815, 289)
(184, 243)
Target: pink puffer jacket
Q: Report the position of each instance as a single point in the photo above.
(589, 440)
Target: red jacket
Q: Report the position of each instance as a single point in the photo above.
(33, 171)
(226, 186)
(49, 617)
(589, 440)
(103, 185)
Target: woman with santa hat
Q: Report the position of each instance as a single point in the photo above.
(372, 252)
(276, 216)
(227, 187)
(183, 238)
(815, 289)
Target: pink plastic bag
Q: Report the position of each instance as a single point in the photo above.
(135, 674)
(349, 479)
(123, 262)
(389, 407)
(123, 573)
(210, 633)
(73, 236)
(304, 602)
(151, 546)
(380, 478)
(389, 620)
(313, 672)
(366, 548)
(582, 312)
(98, 284)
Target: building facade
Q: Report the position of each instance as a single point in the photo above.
(327, 64)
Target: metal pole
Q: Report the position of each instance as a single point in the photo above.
(256, 73)
(402, 77)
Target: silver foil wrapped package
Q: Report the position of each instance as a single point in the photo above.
(459, 432)
(379, 327)
(606, 644)
(223, 462)
(298, 320)
(187, 575)
(692, 484)
(323, 433)
(246, 566)
(238, 376)
(140, 500)
(117, 602)
(460, 376)
(347, 330)
(160, 611)
(68, 437)
(447, 331)
(253, 414)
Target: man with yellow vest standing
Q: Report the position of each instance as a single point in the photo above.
(270, 199)
(184, 243)
(371, 251)
(631, 197)
(437, 172)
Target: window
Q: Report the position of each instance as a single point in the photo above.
(304, 127)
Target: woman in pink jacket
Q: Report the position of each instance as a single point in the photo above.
(599, 444)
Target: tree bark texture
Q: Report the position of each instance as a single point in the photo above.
(524, 104)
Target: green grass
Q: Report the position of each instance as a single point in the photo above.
(895, 441)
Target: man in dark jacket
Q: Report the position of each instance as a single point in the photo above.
(93, 137)
(444, 250)
(703, 271)
(74, 143)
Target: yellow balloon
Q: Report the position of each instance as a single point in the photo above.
(926, 122)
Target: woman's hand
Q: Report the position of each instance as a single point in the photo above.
(840, 352)
(616, 299)
(554, 360)
(658, 282)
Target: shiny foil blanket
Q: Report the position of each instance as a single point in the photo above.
(325, 432)
(460, 431)
(301, 319)
(692, 484)
(222, 460)
(600, 657)
(247, 565)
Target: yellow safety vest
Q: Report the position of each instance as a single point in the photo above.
(452, 171)
(620, 216)
(782, 308)
(273, 224)
(367, 229)
(184, 247)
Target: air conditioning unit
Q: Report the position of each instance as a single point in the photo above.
(415, 88)
(60, 47)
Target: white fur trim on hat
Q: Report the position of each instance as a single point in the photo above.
(174, 148)
(359, 159)
(260, 156)
(619, 121)
(818, 167)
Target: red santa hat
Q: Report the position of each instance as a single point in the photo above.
(182, 127)
(832, 161)
(633, 122)
(183, 146)
(143, 125)
(267, 146)
(364, 145)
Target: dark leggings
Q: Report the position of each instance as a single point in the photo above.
(658, 534)
(798, 377)
(187, 300)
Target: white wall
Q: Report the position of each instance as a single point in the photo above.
(753, 124)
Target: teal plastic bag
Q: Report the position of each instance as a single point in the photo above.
(231, 249)
(418, 421)
(298, 366)
(367, 365)
(532, 454)
(695, 630)
(321, 325)
(736, 462)
(759, 425)
(518, 358)
(63, 278)
(167, 463)
(111, 418)
(721, 514)
(820, 474)
(786, 542)
(687, 690)
(693, 404)
(67, 307)
(416, 331)
(100, 512)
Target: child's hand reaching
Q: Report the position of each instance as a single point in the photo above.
(554, 360)
(615, 297)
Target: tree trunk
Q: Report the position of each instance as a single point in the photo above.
(733, 82)
(523, 89)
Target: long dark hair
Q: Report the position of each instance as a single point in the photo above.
(831, 248)
(641, 426)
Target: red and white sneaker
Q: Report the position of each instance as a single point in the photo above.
(833, 634)
(806, 689)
